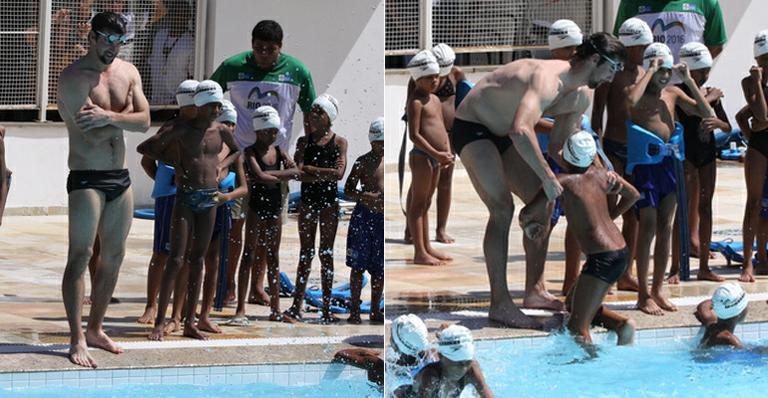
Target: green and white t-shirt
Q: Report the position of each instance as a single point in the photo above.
(677, 22)
(288, 83)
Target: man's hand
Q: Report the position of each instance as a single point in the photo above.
(92, 116)
(552, 188)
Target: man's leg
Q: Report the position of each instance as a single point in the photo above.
(483, 164)
(204, 224)
(113, 230)
(666, 216)
(84, 214)
(444, 185)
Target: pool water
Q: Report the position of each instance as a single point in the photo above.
(335, 388)
(675, 368)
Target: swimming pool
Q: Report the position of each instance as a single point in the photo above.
(662, 363)
(289, 380)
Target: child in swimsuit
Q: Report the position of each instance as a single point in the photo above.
(267, 167)
(321, 155)
(5, 175)
(431, 152)
(652, 107)
(365, 239)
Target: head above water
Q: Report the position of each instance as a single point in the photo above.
(456, 343)
(409, 335)
(729, 301)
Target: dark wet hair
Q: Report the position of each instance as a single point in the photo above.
(601, 43)
(110, 21)
(268, 30)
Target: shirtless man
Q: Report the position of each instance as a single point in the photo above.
(587, 212)
(635, 35)
(5, 175)
(500, 112)
(99, 97)
(193, 149)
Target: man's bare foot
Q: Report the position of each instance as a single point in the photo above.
(664, 303)
(648, 306)
(258, 297)
(673, 279)
(101, 340)
(443, 237)
(354, 319)
(328, 319)
(78, 354)
(746, 276)
(149, 315)
(172, 326)
(426, 259)
(627, 283)
(439, 255)
(512, 317)
(157, 334)
(192, 331)
(205, 324)
(544, 301)
(708, 275)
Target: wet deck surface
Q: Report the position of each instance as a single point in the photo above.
(32, 259)
(459, 292)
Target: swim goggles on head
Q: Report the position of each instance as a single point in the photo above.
(114, 38)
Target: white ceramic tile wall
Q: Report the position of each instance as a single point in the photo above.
(283, 375)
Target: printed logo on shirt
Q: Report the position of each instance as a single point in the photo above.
(244, 76)
(660, 34)
(643, 9)
(689, 7)
(256, 99)
(285, 77)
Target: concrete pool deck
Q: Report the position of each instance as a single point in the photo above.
(458, 292)
(34, 332)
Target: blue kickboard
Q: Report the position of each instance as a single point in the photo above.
(144, 214)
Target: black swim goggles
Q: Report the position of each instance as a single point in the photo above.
(114, 38)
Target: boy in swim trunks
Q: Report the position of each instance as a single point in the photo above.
(587, 211)
(635, 35)
(431, 152)
(164, 193)
(365, 238)
(651, 106)
(267, 166)
(5, 175)
(193, 149)
(321, 155)
(700, 166)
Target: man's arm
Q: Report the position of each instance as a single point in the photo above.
(92, 116)
(714, 28)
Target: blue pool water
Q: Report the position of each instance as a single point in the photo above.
(336, 388)
(560, 368)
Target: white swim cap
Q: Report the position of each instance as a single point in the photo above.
(564, 33)
(409, 333)
(185, 93)
(228, 112)
(445, 57)
(455, 343)
(423, 64)
(695, 55)
(580, 149)
(265, 117)
(655, 50)
(208, 91)
(329, 105)
(761, 43)
(376, 130)
(635, 32)
(729, 300)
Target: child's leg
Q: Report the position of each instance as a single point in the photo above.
(755, 165)
(308, 218)
(425, 220)
(209, 287)
(257, 293)
(377, 290)
(588, 295)
(692, 191)
(666, 217)
(623, 326)
(444, 204)
(154, 277)
(421, 191)
(251, 238)
(329, 222)
(707, 178)
(762, 235)
(356, 285)
(235, 248)
(647, 228)
(273, 229)
(179, 297)
(407, 237)
(204, 223)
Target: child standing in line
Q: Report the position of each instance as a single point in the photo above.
(321, 155)
(365, 238)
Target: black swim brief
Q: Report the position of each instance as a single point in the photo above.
(615, 149)
(112, 182)
(759, 142)
(197, 200)
(416, 151)
(606, 266)
(464, 132)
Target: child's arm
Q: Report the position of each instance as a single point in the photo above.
(719, 122)
(331, 174)
(242, 185)
(638, 89)
(234, 150)
(413, 112)
(155, 146)
(752, 87)
(629, 195)
(149, 166)
(262, 176)
(350, 187)
(697, 105)
(478, 381)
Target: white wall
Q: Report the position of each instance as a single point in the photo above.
(341, 41)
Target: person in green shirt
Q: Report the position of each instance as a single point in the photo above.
(676, 22)
(262, 76)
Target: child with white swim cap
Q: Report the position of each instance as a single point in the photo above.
(720, 314)
(563, 38)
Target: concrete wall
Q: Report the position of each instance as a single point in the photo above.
(743, 19)
(341, 41)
